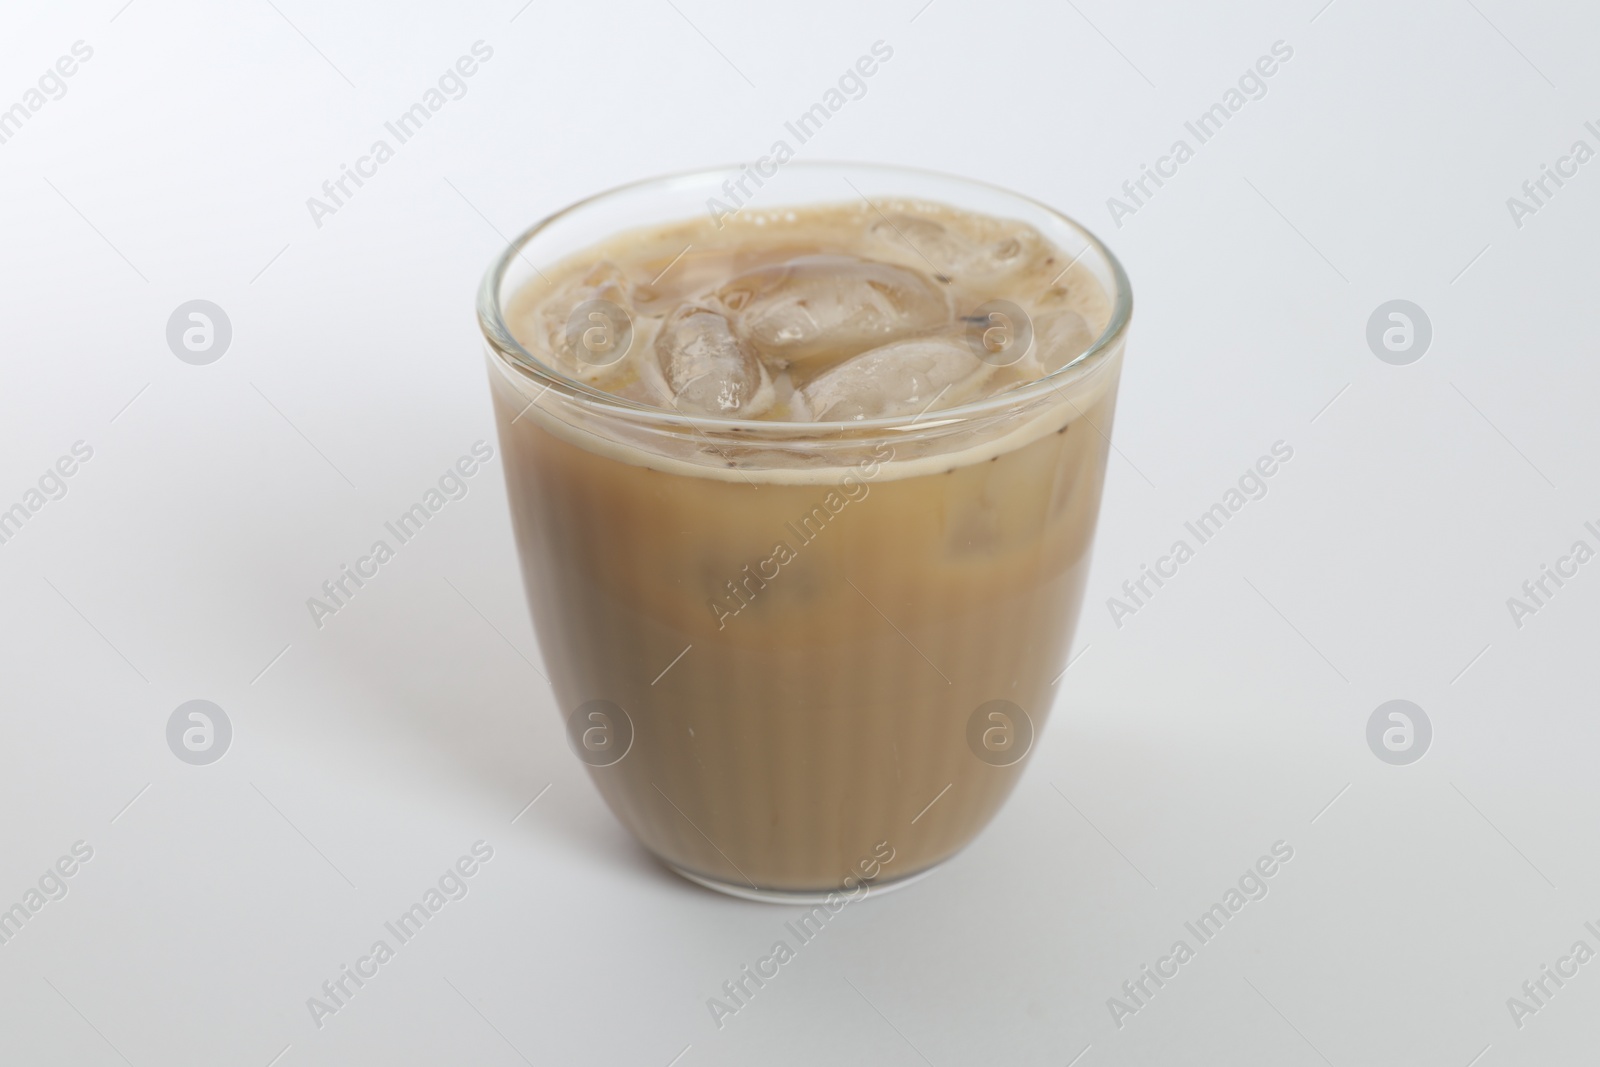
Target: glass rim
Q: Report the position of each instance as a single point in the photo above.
(491, 321)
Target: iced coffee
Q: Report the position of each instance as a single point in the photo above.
(804, 499)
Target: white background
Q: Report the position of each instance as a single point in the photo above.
(1223, 717)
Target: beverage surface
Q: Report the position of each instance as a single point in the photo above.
(821, 314)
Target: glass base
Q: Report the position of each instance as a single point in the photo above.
(743, 890)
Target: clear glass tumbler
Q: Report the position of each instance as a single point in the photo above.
(802, 660)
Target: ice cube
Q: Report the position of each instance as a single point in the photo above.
(944, 250)
(999, 332)
(588, 325)
(900, 378)
(1059, 337)
(708, 369)
(831, 306)
(955, 256)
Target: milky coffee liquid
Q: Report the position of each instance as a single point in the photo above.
(804, 659)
